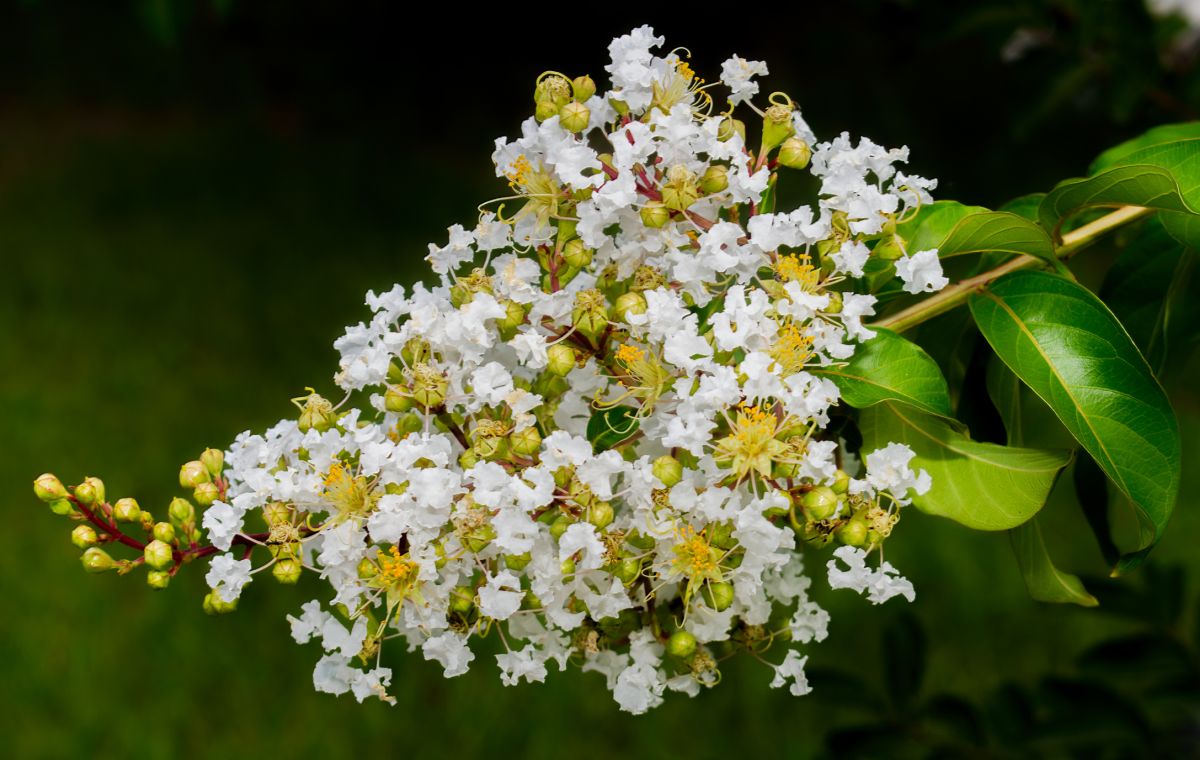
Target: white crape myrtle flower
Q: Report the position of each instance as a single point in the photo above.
(603, 431)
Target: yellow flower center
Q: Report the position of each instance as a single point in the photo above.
(792, 349)
(793, 268)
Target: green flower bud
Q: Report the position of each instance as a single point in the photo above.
(410, 423)
(126, 510)
(526, 442)
(158, 554)
(546, 109)
(158, 579)
(276, 513)
(62, 507)
(576, 254)
(628, 570)
(668, 469)
(600, 514)
(514, 317)
(517, 562)
(835, 303)
(681, 644)
(287, 570)
(784, 470)
(718, 596)
(853, 533)
(395, 399)
(467, 459)
(655, 214)
(165, 532)
(462, 599)
(640, 542)
(715, 179)
(215, 605)
(84, 536)
(480, 538)
(574, 116)
(96, 560)
(181, 510)
(888, 249)
(720, 535)
(568, 567)
(559, 526)
(841, 482)
(561, 359)
(205, 494)
(193, 473)
(729, 127)
(590, 315)
(531, 602)
(583, 88)
(820, 503)
(794, 153)
(629, 303)
(90, 492)
(49, 488)
(777, 126)
(214, 461)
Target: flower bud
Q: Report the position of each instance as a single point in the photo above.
(794, 153)
(576, 254)
(668, 469)
(820, 503)
(206, 493)
(126, 510)
(49, 488)
(396, 400)
(214, 461)
(84, 536)
(583, 88)
(517, 562)
(546, 109)
(559, 526)
(158, 579)
(287, 570)
(629, 303)
(467, 459)
(96, 560)
(158, 554)
(729, 127)
(655, 214)
(526, 442)
(462, 599)
(718, 595)
(574, 116)
(590, 315)
(681, 644)
(853, 533)
(561, 359)
(181, 511)
(777, 126)
(715, 179)
(215, 605)
(600, 514)
(888, 249)
(90, 492)
(165, 532)
(62, 507)
(480, 538)
(567, 567)
(720, 535)
(514, 317)
(835, 303)
(193, 474)
(628, 570)
(841, 482)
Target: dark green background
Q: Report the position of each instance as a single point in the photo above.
(194, 198)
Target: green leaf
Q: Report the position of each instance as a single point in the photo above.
(1152, 291)
(608, 427)
(932, 223)
(1129, 151)
(1069, 348)
(1045, 582)
(889, 367)
(999, 232)
(1025, 206)
(981, 485)
(1140, 185)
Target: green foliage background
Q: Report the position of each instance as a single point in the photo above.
(193, 200)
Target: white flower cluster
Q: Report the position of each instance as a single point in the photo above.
(599, 434)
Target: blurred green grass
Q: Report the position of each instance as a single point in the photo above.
(166, 286)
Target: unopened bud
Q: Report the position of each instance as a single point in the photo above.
(729, 127)
(96, 560)
(287, 570)
(668, 469)
(655, 214)
(126, 510)
(193, 474)
(164, 531)
(90, 492)
(84, 536)
(628, 570)
(600, 514)
(574, 116)
(206, 493)
(583, 88)
(214, 461)
(853, 533)
(715, 179)
(49, 488)
(718, 595)
(215, 605)
(526, 442)
(794, 153)
(158, 579)
(835, 303)
(560, 359)
(546, 109)
(629, 303)
(576, 254)
(158, 555)
(462, 599)
(395, 399)
(62, 507)
(181, 511)
(517, 562)
(841, 481)
(681, 644)
(820, 503)
(559, 526)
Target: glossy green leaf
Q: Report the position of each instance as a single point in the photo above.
(999, 232)
(981, 485)
(608, 427)
(1025, 206)
(1130, 150)
(1139, 185)
(932, 223)
(889, 367)
(1068, 347)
